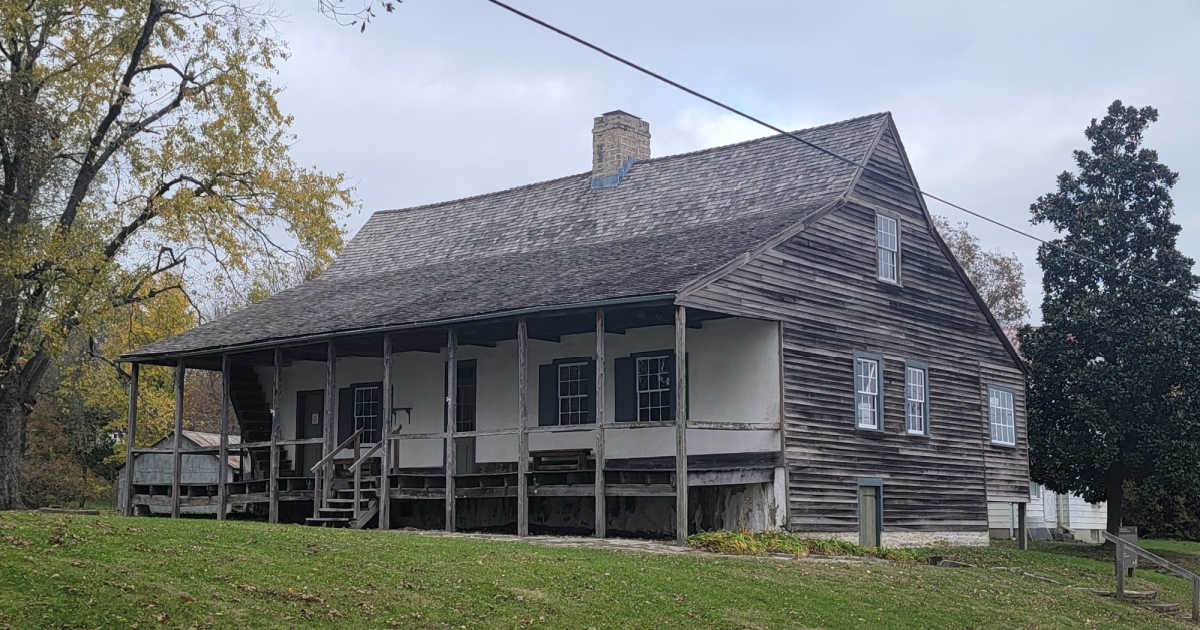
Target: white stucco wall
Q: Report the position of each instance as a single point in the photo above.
(734, 377)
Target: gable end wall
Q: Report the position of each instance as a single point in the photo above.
(821, 285)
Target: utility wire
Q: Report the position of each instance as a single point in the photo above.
(835, 155)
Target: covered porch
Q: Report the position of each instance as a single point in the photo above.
(580, 419)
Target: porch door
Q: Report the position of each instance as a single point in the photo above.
(310, 423)
(868, 516)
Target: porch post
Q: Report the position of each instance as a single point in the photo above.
(681, 470)
(176, 457)
(223, 442)
(601, 510)
(385, 434)
(273, 482)
(451, 422)
(130, 430)
(523, 428)
(331, 411)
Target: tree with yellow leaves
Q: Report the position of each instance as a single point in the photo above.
(141, 150)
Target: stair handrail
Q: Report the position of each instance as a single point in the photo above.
(1122, 544)
(365, 456)
(346, 442)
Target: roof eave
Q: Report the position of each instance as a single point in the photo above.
(134, 357)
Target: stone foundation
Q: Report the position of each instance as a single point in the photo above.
(901, 539)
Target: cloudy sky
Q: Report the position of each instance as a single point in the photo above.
(448, 98)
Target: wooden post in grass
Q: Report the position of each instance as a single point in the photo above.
(523, 428)
(176, 457)
(385, 433)
(130, 431)
(223, 441)
(681, 470)
(598, 487)
(276, 393)
(1120, 551)
(451, 421)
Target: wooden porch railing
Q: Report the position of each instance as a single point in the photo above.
(1124, 547)
(356, 468)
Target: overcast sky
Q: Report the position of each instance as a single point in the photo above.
(448, 98)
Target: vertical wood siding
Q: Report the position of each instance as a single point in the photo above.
(821, 284)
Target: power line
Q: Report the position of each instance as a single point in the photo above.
(833, 154)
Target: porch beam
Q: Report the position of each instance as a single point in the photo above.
(176, 457)
(451, 421)
(331, 412)
(385, 433)
(523, 427)
(130, 432)
(601, 506)
(276, 394)
(223, 441)
(681, 471)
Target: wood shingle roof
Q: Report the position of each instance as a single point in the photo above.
(555, 243)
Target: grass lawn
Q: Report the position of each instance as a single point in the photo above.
(113, 572)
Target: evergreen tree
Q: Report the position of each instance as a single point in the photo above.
(1115, 368)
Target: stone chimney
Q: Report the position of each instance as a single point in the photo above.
(618, 140)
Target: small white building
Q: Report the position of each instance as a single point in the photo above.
(1065, 513)
(154, 469)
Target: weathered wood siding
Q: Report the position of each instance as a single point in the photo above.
(821, 283)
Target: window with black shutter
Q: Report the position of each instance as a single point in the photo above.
(644, 385)
(566, 392)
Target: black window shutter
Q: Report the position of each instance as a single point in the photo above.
(547, 395)
(671, 373)
(625, 388)
(591, 390)
(445, 394)
(345, 413)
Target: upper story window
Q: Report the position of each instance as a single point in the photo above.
(916, 397)
(868, 402)
(887, 247)
(1001, 416)
(574, 394)
(654, 389)
(566, 392)
(366, 411)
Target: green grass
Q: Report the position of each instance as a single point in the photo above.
(111, 572)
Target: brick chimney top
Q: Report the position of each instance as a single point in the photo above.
(618, 140)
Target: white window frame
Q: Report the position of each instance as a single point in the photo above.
(916, 398)
(1035, 490)
(887, 248)
(1002, 416)
(367, 411)
(664, 391)
(868, 391)
(582, 413)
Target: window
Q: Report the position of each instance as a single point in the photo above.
(1000, 416)
(574, 393)
(464, 397)
(654, 389)
(868, 403)
(887, 244)
(1035, 490)
(366, 412)
(916, 398)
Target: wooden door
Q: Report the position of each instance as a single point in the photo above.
(868, 516)
(310, 423)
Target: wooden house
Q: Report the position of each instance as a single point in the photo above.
(756, 336)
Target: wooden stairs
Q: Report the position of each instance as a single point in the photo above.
(338, 508)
